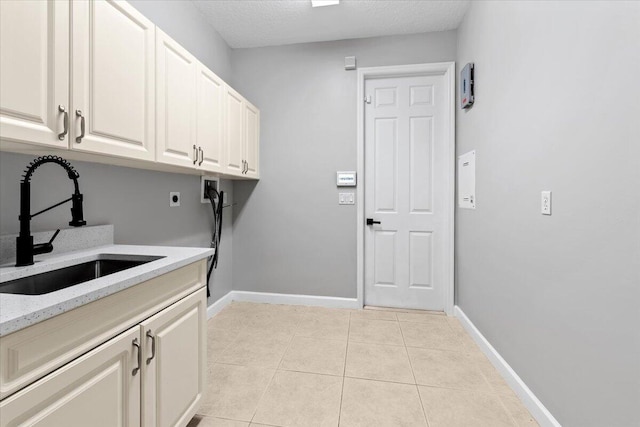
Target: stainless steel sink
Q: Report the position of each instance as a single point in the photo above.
(102, 265)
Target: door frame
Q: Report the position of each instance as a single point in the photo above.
(447, 70)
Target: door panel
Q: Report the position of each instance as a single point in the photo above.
(234, 131)
(405, 179)
(34, 71)
(252, 137)
(97, 389)
(210, 126)
(113, 79)
(175, 377)
(176, 102)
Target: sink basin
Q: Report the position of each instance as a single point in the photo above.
(102, 265)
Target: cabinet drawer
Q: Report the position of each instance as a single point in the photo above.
(31, 353)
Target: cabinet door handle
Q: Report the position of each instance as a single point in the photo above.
(79, 114)
(201, 155)
(137, 346)
(246, 170)
(195, 154)
(153, 346)
(63, 110)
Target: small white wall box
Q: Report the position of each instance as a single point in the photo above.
(467, 180)
(211, 180)
(346, 179)
(466, 86)
(349, 63)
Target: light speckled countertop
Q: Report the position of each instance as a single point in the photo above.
(20, 311)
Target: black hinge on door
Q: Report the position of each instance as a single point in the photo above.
(370, 221)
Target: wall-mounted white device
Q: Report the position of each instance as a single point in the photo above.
(346, 199)
(545, 203)
(346, 179)
(349, 63)
(208, 180)
(466, 86)
(467, 180)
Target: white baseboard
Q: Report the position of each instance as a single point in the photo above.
(271, 298)
(535, 407)
(293, 299)
(217, 306)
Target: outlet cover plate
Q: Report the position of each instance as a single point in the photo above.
(174, 199)
(203, 181)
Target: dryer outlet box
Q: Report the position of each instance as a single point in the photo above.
(466, 85)
(205, 182)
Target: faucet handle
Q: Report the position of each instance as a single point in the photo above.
(54, 236)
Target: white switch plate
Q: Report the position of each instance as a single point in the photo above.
(545, 203)
(346, 199)
(173, 194)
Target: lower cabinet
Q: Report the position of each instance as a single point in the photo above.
(153, 374)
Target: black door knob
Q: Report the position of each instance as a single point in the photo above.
(370, 221)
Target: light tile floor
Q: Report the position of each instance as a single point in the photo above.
(280, 365)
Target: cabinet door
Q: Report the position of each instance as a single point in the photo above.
(234, 132)
(34, 71)
(97, 389)
(210, 129)
(251, 140)
(174, 375)
(113, 80)
(176, 102)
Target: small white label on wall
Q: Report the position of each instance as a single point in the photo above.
(346, 179)
(467, 180)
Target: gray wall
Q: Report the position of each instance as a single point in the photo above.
(184, 23)
(289, 227)
(556, 109)
(135, 201)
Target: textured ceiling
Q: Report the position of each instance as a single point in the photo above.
(255, 23)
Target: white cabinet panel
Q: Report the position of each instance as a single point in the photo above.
(210, 120)
(174, 376)
(234, 131)
(34, 71)
(252, 140)
(176, 102)
(98, 389)
(113, 80)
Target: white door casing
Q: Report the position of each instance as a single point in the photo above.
(407, 152)
(113, 79)
(34, 71)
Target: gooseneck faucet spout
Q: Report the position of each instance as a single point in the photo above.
(25, 249)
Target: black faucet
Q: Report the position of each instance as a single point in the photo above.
(25, 249)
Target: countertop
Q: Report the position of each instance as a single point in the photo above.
(20, 311)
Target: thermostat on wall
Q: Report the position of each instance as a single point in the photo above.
(466, 86)
(346, 179)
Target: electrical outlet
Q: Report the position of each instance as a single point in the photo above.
(545, 203)
(174, 199)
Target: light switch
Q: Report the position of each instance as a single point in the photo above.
(346, 199)
(545, 203)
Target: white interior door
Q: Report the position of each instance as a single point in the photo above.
(405, 190)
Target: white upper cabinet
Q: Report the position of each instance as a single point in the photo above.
(34, 72)
(176, 107)
(234, 131)
(113, 80)
(210, 120)
(251, 140)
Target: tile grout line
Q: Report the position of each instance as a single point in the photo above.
(406, 350)
(344, 369)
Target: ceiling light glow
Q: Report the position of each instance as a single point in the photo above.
(320, 3)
